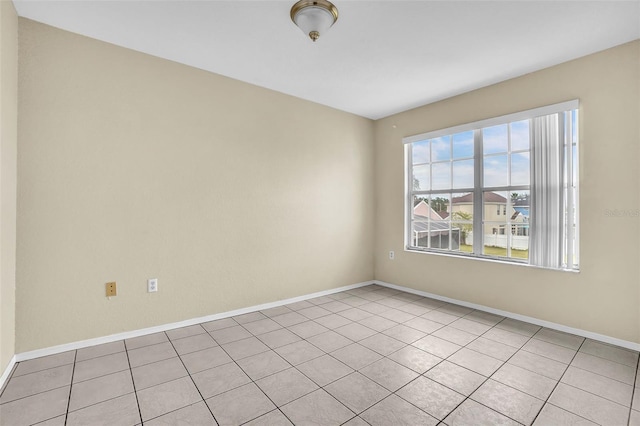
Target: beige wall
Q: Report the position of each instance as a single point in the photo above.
(133, 167)
(8, 141)
(604, 297)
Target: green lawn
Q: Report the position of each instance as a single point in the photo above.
(498, 251)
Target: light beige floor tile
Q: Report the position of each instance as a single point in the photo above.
(524, 380)
(180, 333)
(604, 367)
(194, 343)
(317, 408)
(470, 326)
(634, 418)
(397, 315)
(329, 341)
(605, 387)
(250, 317)
(549, 350)
(554, 416)
(377, 323)
(262, 326)
(336, 306)
(396, 411)
(230, 334)
(440, 316)
(44, 363)
(430, 303)
(382, 344)
(244, 348)
(272, 418)
(219, 324)
(589, 406)
(100, 389)
(324, 370)
(413, 309)
(239, 405)
(567, 340)
(314, 312)
(454, 335)
(432, 397)
(56, 421)
(415, 359)
(357, 392)
(308, 329)
(36, 408)
(281, 337)
(635, 404)
(167, 397)
(424, 325)
(356, 356)
(356, 421)
(149, 339)
(121, 411)
(40, 381)
(151, 353)
(506, 337)
(320, 300)
(96, 367)
(274, 312)
(508, 401)
(299, 305)
(289, 319)
(285, 386)
(149, 375)
(374, 308)
(389, 374)
(450, 308)
(612, 353)
(206, 359)
(404, 333)
(392, 302)
(475, 361)
(519, 327)
(493, 349)
(538, 364)
(484, 317)
(333, 321)
(454, 377)
(220, 379)
(436, 346)
(470, 413)
(100, 350)
(299, 352)
(263, 364)
(196, 414)
(355, 331)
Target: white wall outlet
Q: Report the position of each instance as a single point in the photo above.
(152, 285)
(392, 255)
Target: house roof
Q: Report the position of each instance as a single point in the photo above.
(489, 197)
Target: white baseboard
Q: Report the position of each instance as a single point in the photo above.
(559, 327)
(7, 373)
(24, 356)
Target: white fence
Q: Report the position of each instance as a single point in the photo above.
(518, 242)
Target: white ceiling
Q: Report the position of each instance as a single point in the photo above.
(380, 58)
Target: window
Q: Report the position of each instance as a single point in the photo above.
(504, 188)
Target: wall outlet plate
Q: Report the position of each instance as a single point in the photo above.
(111, 289)
(152, 285)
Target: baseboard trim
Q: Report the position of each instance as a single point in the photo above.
(7, 373)
(24, 356)
(548, 324)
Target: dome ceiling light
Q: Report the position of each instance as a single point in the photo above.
(314, 17)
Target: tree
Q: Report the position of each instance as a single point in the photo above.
(465, 228)
(439, 204)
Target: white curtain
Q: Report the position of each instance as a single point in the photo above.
(546, 192)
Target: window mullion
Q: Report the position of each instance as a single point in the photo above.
(478, 204)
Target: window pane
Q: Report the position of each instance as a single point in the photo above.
(520, 135)
(462, 219)
(421, 178)
(495, 139)
(419, 219)
(494, 223)
(420, 152)
(520, 169)
(495, 171)
(441, 148)
(440, 205)
(463, 174)
(441, 174)
(439, 227)
(519, 224)
(463, 145)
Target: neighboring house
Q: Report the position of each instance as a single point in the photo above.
(429, 223)
(495, 213)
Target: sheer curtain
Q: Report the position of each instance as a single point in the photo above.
(546, 192)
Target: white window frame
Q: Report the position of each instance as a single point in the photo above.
(571, 226)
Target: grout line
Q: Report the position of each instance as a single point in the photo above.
(73, 371)
(633, 391)
(133, 382)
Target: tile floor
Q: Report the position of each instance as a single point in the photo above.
(371, 355)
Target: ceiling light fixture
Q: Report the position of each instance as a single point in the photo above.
(314, 17)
